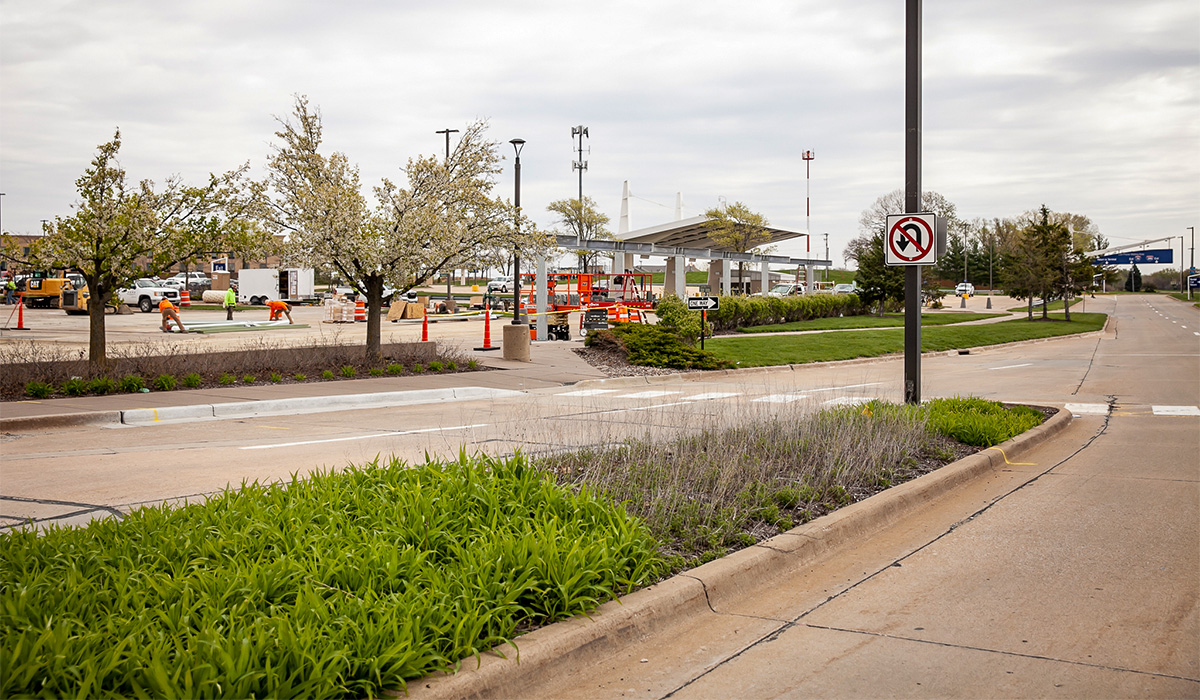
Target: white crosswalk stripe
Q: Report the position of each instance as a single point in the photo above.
(1176, 410)
(781, 398)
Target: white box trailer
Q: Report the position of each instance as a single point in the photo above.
(293, 285)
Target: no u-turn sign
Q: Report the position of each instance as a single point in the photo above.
(911, 239)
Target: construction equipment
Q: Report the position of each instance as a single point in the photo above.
(43, 289)
(619, 298)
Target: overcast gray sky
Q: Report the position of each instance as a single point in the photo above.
(1088, 106)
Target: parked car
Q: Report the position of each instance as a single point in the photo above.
(964, 289)
(192, 279)
(845, 289)
(785, 289)
(500, 284)
(146, 293)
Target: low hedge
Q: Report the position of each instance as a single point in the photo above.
(741, 312)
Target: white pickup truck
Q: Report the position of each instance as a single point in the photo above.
(146, 293)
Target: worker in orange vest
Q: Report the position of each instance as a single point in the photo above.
(280, 307)
(170, 312)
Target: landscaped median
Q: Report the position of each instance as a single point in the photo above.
(764, 350)
(351, 583)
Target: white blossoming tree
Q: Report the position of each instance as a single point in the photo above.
(440, 221)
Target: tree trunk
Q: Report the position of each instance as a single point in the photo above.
(1030, 311)
(97, 354)
(1067, 307)
(374, 308)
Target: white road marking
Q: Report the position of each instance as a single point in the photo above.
(648, 394)
(363, 437)
(651, 408)
(781, 398)
(848, 386)
(1088, 409)
(848, 401)
(1176, 410)
(589, 392)
(711, 395)
(1027, 364)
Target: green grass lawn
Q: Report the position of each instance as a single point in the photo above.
(760, 351)
(867, 321)
(1037, 306)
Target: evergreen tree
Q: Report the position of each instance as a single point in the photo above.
(1133, 282)
(878, 281)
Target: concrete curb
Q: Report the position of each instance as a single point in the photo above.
(584, 640)
(62, 420)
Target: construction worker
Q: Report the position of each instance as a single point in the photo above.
(230, 302)
(280, 307)
(10, 290)
(170, 312)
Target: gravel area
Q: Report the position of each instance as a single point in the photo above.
(614, 363)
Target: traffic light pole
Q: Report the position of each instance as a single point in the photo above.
(912, 198)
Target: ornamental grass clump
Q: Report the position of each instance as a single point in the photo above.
(337, 585)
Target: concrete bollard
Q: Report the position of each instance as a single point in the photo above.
(516, 342)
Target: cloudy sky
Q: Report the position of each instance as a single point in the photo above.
(1088, 106)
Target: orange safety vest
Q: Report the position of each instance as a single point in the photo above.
(275, 305)
(166, 304)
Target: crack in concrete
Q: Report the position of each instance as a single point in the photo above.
(968, 647)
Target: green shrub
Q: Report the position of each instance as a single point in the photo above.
(395, 368)
(131, 384)
(38, 390)
(102, 385)
(327, 374)
(276, 377)
(75, 386)
(652, 346)
(249, 378)
(226, 378)
(435, 366)
(376, 371)
(348, 371)
(418, 368)
(673, 315)
(978, 422)
(250, 593)
(472, 364)
(192, 380)
(300, 377)
(164, 382)
(451, 366)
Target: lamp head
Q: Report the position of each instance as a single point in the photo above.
(518, 144)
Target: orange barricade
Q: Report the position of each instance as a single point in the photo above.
(360, 310)
(185, 299)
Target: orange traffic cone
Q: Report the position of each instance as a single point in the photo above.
(20, 313)
(487, 331)
(425, 326)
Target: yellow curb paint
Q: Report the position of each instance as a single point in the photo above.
(1015, 464)
(155, 415)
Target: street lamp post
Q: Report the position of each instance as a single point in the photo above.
(447, 132)
(580, 165)
(808, 157)
(518, 144)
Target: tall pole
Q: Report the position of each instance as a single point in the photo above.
(450, 274)
(826, 255)
(517, 145)
(447, 132)
(1193, 249)
(912, 198)
(580, 165)
(808, 157)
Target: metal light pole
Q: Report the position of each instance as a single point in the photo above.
(808, 157)
(580, 165)
(826, 235)
(912, 196)
(518, 144)
(1193, 248)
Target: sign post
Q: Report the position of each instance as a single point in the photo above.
(703, 304)
(912, 198)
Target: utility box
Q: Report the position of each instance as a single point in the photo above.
(293, 285)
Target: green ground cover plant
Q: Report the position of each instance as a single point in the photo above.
(338, 585)
(885, 321)
(653, 346)
(759, 351)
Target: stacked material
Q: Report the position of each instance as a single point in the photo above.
(339, 310)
